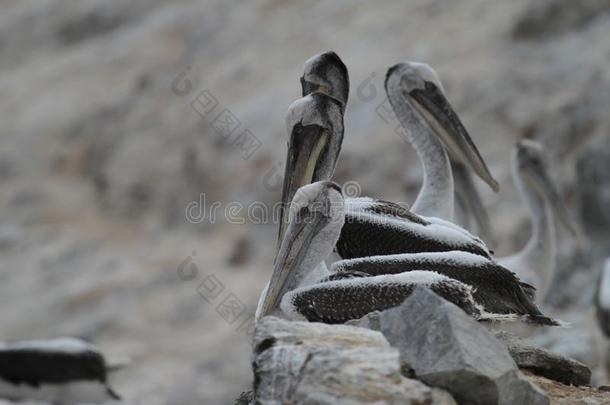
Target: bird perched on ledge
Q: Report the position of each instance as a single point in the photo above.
(359, 286)
(393, 250)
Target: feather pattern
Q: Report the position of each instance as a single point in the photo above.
(498, 290)
(376, 227)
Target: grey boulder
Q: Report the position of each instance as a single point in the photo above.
(312, 363)
(545, 363)
(447, 348)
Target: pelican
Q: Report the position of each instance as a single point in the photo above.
(372, 227)
(315, 124)
(536, 262)
(602, 300)
(433, 128)
(417, 98)
(356, 287)
(365, 227)
(416, 93)
(327, 74)
(64, 371)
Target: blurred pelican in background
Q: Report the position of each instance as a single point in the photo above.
(537, 261)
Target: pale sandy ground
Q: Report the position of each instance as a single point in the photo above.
(99, 158)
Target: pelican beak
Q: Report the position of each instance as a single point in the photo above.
(298, 237)
(431, 103)
(315, 124)
(467, 193)
(305, 152)
(537, 177)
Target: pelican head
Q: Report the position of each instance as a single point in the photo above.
(315, 125)
(420, 88)
(316, 216)
(531, 164)
(327, 74)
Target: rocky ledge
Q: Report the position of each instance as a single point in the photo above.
(426, 351)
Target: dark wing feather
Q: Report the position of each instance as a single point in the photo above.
(339, 302)
(370, 235)
(496, 288)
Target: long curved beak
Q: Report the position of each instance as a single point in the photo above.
(467, 193)
(538, 178)
(288, 270)
(305, 151)
(438, 113)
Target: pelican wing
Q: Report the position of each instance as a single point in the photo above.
(383, 229)
(341, 300)
(497, 289)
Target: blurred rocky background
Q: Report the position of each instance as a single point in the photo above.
(123, 122)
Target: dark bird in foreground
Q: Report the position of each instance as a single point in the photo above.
(63, 371)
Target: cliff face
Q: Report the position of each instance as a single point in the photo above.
(122, 123)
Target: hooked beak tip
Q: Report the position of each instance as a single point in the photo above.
(494, 185)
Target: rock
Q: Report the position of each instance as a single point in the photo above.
(311, 363)
(447, 348)
(561, 394)
(545, 363)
